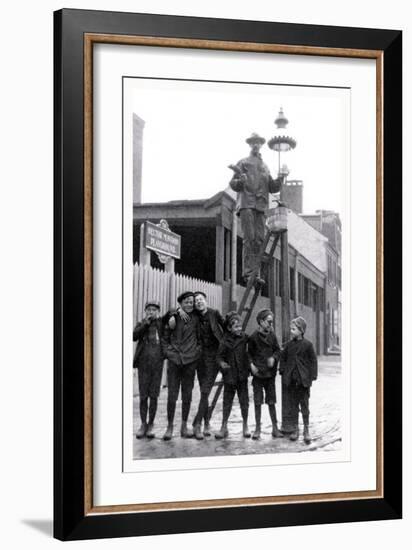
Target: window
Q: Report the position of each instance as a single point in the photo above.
(320, 296)
(334, 272)
(227, 267)
(315, 296)
(292, 290)
(239, 262)
(300, 288)
(306, 291)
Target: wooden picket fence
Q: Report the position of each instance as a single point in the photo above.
(152, 284)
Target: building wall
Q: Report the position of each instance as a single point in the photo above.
(332, 292)
(307, 241)
(311, 332)
(333, 320)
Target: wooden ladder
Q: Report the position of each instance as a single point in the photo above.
(267, 252)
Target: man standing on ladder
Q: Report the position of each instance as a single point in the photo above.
(253, 181)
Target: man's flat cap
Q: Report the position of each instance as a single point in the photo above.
(184, 295)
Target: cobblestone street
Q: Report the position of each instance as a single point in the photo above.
(325, 429)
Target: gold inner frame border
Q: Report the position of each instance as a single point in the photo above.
(94, 38)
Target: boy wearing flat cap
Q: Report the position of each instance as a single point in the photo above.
(299, 368)
(234, 361)
(148, 360)
(211, 334)
(264, 353)
(183, 351)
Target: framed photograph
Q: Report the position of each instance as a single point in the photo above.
(227, 274)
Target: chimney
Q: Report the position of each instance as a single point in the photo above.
(292, 195)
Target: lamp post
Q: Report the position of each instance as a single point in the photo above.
(282, 144)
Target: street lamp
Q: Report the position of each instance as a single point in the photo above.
(277, 218)
(281, 143)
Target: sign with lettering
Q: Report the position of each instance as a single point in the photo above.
(162, 240)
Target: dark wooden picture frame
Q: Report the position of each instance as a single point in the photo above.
(76, 31)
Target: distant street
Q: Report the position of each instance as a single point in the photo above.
(325, 428)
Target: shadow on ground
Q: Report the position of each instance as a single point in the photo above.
(44, 526)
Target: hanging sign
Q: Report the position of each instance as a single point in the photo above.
(160, 239)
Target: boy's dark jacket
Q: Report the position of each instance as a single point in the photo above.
(261, 347)
(140, 332)
(305, 360)
(216, 322)
(233, 351)
(182, 345)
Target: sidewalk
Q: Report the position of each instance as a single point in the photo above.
(326, 393)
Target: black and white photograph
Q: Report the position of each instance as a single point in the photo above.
(204, 275)
(240, 201)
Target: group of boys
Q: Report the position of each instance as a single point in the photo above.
(196, 339)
